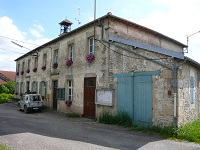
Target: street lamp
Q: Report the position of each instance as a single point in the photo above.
(188, 39)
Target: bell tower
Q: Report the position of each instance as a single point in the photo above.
(65, 26)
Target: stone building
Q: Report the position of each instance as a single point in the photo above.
(115, 66)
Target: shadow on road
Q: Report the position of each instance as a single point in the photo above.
(52, 124)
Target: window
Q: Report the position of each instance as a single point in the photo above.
(70, 90)
(36, 62)
(56, 56)
(18, 67)
(23, 66)
(43, 89)
(29, 63)
(44, 59)
(61, 93)
(21, 88)
(192, 92)
(71, 51)
(34, 87)
(91, 45)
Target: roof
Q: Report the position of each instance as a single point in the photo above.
(192, 62)
(108, 15)
(65, 22)
(2, 82)
(9, 74)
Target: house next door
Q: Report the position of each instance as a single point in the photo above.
(55, 85)
(89, 97)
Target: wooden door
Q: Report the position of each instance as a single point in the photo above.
(55, 85)
(89, 97)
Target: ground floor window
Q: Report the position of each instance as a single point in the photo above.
(70, 89)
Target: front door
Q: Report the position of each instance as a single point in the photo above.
(55, 85)
(89, 97)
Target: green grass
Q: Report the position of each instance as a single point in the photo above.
(121, 119)
(2, 147)
(72, 115)
(5, 97)
(189, 132)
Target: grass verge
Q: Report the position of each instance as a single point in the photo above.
(189, 132)
(2, 147)
(121, 119)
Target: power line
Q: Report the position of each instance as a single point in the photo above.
(18, 40)
(1, 49)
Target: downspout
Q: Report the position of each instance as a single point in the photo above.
(175, 90)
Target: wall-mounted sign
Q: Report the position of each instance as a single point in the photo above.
(104, 97)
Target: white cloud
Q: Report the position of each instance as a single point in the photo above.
(37, 30)
(9, 51)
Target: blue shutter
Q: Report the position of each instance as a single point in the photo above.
(192, 90)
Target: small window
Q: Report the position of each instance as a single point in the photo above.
(36, 62)
(71, 51)
(91, 45)
(29, 62)
(61, 93)
(70, 89)
(90, 83)
(56, 56)
(44, 59)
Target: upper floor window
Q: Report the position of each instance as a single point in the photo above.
(29, 63)
(91, 45)
(71, 51)
(23, 66)
(36, 62)
(44, 59)
(192, 90)
(18, 67)
(56, 56)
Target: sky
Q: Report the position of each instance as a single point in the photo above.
(32, 23)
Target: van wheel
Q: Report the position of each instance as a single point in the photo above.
(25, 109)
(19, 108)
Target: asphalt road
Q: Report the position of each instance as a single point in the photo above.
(50, 130)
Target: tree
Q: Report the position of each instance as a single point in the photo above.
(11, 86)
(3, 89)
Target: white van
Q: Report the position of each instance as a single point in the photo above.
(30, 102)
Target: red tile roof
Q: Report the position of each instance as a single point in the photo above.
(9, 74)
(2, 81)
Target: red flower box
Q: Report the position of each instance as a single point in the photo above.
(90, 58)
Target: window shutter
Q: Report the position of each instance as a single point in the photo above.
(192, 90)
(40, 90)
(46, 85)
(36, 86)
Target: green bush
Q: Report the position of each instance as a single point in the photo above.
(121, 119)
(5, 97)
(72, 115)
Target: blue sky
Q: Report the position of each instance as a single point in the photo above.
(36, 21)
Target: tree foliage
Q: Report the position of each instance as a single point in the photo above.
(7, 88)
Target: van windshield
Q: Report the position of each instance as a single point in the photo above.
(35, 98)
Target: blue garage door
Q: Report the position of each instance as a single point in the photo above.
(134, 96)
(143, 100)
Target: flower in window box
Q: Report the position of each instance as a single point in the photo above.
(17, 73)
(28, 70)
(35, 69)
(16, 93)
(21, 94)
(68, 103)
(90, 58)
(43, 67)
(22, 72)
(69, 62)
(55, 65)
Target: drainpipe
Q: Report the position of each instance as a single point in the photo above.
(175, 90)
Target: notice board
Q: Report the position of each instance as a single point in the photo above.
(104, 97)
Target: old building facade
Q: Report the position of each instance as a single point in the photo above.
(114, 66)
